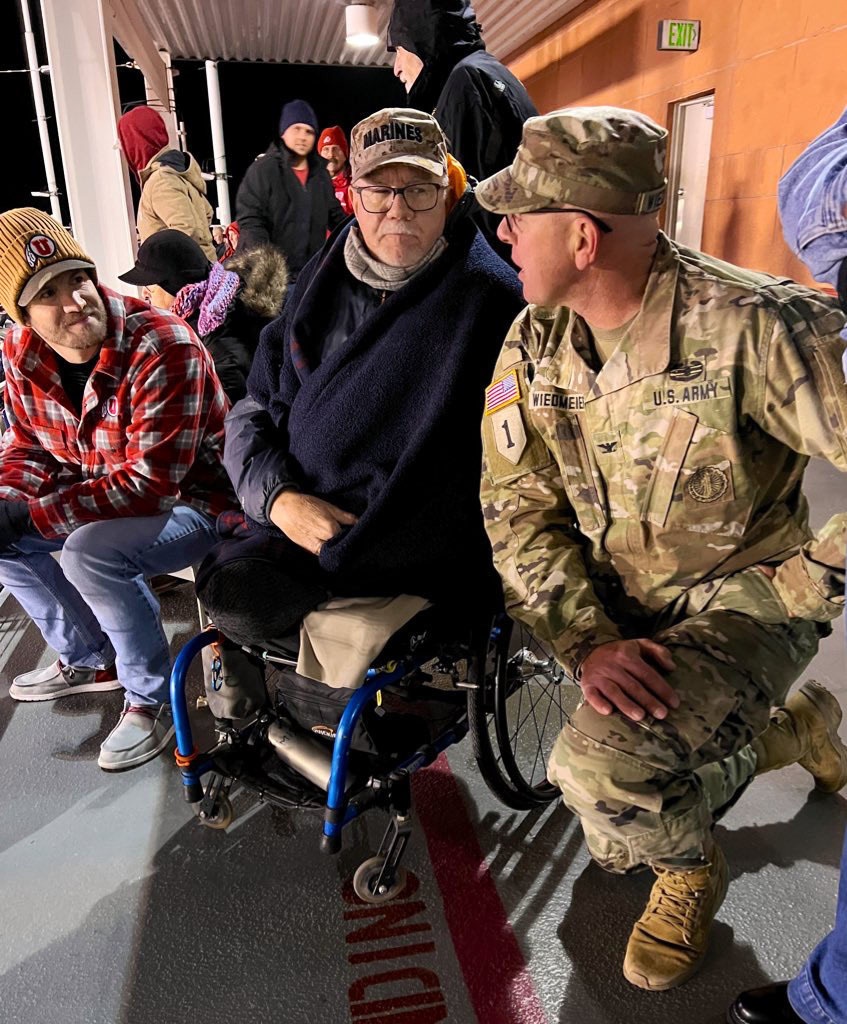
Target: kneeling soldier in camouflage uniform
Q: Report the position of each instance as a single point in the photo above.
(646, 433)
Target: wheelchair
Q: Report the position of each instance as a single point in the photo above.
(428, 688)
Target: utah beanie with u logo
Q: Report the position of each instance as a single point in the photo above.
(34, 248)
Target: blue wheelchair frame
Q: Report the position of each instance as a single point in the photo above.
(341, 808)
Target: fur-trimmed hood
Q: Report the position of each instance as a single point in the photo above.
(264, 274)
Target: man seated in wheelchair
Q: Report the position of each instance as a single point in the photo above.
(356, 454)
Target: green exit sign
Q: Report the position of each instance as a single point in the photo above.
(679, 35)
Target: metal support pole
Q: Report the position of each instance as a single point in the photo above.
(38, 97)
(166, 109)
(212, 84)
(81, 54)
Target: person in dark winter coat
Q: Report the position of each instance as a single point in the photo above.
(441, 59)
(227, 305)
(356, 455)
(287, 198)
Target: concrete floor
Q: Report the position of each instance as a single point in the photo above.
(116, 907)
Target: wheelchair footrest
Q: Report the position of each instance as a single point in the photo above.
(394, 842)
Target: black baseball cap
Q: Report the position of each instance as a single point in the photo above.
(170, 259)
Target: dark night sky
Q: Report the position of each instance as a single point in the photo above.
(251, 97)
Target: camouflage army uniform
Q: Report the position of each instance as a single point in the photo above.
(811, 583)
(639, 501)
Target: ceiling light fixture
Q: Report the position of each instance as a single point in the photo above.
(361, 21)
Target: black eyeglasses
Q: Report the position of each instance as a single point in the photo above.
(601, 224)
(419, 197)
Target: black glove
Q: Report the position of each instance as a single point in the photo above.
(15, 521)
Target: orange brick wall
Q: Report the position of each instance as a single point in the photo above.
(778, 69)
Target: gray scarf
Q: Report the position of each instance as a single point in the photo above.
(364, 267)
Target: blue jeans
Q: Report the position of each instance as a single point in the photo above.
(819, 992)
(94, 606)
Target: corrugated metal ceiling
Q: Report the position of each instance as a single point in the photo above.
(509, 24)
(296, 31)
(312, 31)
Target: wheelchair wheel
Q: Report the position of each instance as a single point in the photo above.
(222, 815)
(515, 715)
(366, 877)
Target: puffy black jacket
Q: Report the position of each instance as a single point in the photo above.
(477, 101)
(263, 282)
(272, 206)
(233, 345)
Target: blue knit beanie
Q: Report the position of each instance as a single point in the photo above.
(297, 112)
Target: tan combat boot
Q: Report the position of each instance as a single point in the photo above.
(669, 940)
(805, 732)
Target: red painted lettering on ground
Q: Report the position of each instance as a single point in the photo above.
(388, 926)
(407, 994)
(427, 979)
(393, 953)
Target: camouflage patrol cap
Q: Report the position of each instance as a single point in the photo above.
(599, 158)
(396, 135)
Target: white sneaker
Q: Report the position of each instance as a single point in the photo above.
(58, 680)
(142, 733)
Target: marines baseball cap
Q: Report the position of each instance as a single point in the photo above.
(598, 158)
(397, 135)
(34, 249)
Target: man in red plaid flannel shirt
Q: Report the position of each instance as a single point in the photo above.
(113, 457)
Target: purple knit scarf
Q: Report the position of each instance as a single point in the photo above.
(213, 296)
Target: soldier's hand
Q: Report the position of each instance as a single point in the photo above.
(623, 675)
(307, 520)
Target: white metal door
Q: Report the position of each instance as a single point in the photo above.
(689, 169)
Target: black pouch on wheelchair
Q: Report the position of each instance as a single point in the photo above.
(397, 726)
(236, 688)
(317, 707)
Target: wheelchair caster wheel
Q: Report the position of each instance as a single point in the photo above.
(221, 817)
(366, 877)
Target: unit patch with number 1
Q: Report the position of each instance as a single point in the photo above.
(507, 424)
(509, 434)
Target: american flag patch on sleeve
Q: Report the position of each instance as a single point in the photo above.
(502, 392)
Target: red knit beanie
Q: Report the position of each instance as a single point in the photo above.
(142, 133)
(334, 137)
